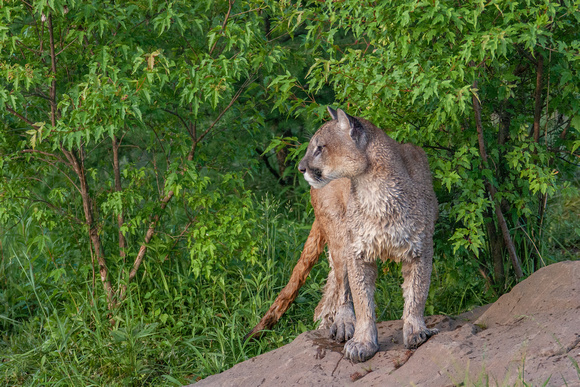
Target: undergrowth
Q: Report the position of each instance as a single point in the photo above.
(175, 328)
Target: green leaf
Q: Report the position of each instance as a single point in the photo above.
(575, 122)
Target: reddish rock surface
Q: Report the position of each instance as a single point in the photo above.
(531, 334)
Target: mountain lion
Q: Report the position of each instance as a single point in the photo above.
(372, 198)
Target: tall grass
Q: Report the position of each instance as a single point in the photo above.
(173, 328)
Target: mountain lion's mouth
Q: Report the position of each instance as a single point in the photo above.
(314, 178)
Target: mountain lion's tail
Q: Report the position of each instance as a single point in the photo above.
(312, 249)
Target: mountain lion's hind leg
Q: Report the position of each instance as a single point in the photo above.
(328, 305)
(335, 309)
(342, 328)
(417, 275)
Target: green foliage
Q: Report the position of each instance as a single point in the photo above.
(147, 83)
(415, 69)
(173, 328)
(220, 234)
(150, 208)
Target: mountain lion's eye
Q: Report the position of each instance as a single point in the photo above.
(318, 150)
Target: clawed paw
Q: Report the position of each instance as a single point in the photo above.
(342, 331)
(343, 327)
(360, 351)
(415, 339)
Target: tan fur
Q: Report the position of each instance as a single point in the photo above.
(329, 208)
(372, 198)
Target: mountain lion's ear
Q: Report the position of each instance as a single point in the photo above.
(332, 112)
(354, 127)
(343, 120)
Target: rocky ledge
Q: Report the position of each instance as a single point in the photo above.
(531, 334)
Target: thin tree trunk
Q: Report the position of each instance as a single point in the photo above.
(565, 131)
(118, 188)
(170, 194)
(53, 70)
(80, 171)
(502, 139)
(496, 247)
(538, 96)
(491, 189)
(537, 117)
(92, 226)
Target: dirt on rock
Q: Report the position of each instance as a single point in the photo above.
(531, 335)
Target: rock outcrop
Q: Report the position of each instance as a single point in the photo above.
(531, 334)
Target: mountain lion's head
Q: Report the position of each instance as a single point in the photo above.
(336, 150)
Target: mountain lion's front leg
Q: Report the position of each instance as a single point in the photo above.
(417, 276)
(362, 276)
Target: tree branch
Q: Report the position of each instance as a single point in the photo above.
(28, 48)
(538, 96)
(53, 70)
(178, 238)
(56, 166)
(44, 153)
(38, 95)
(143, 249)
(565, 131)
(224, 25)
(58, 209)
(160, 144)
(500, 218)
(548, 100)
(65, 47)
(92, 226)
(13, 112)
(264, 158)
(180, 118)
(29, 6)
(118, 188)
(232, 101)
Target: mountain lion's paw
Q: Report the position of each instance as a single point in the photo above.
(415, 339)
(358, 351)
(343, 327)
